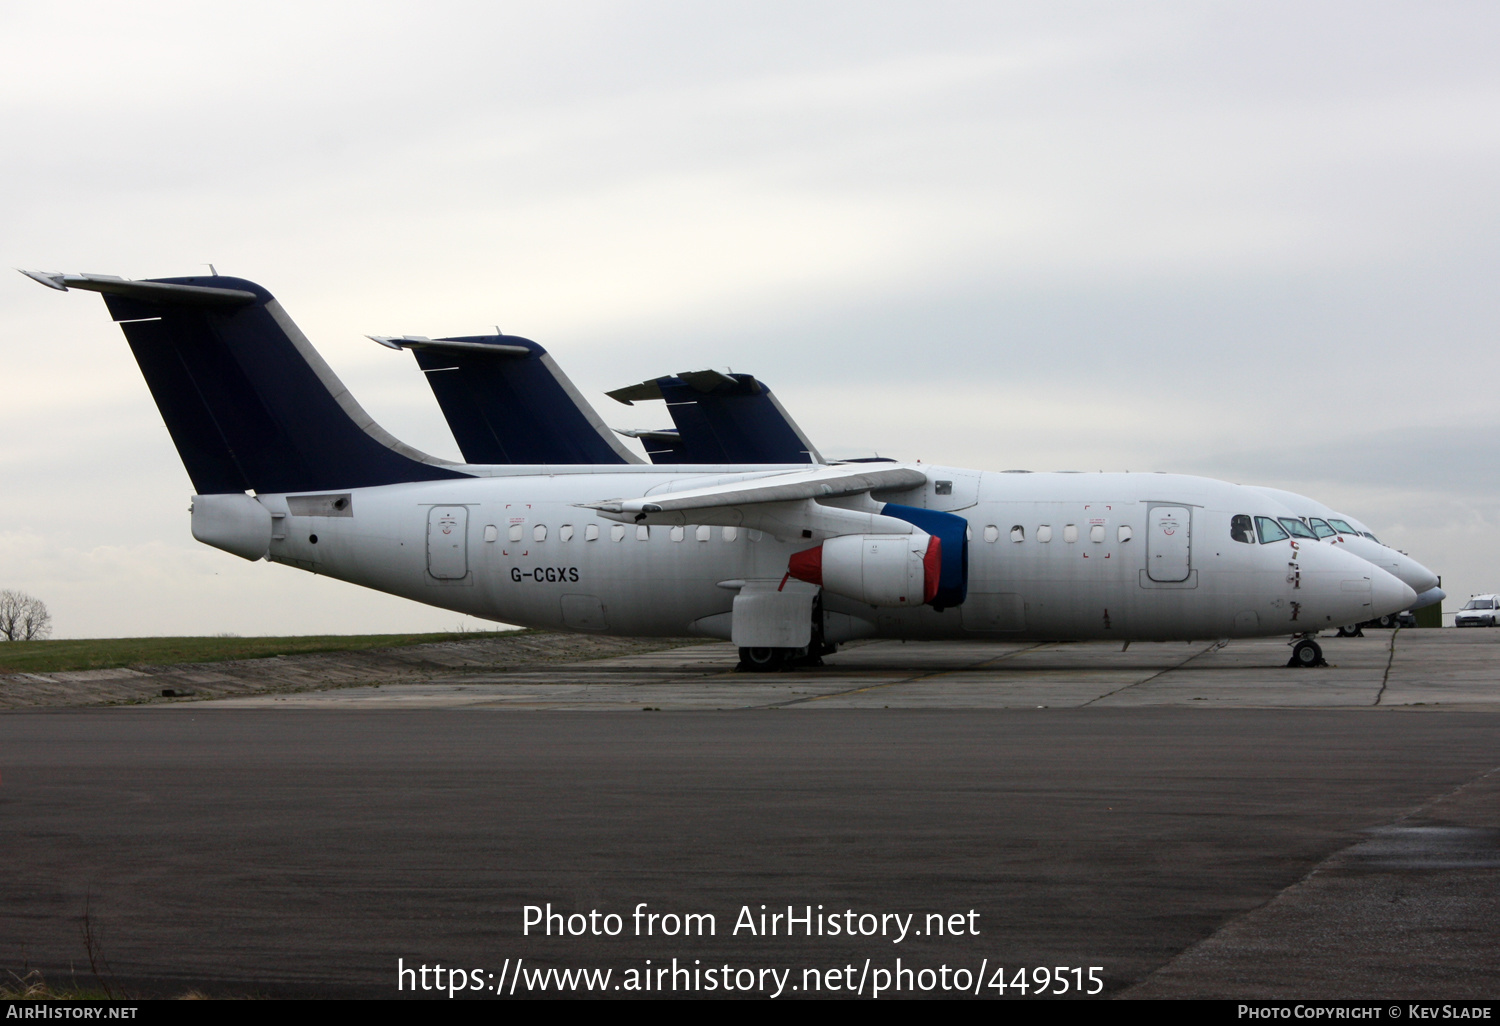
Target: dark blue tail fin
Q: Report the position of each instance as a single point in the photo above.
(506, 401)
(249, 403)
(723, 418)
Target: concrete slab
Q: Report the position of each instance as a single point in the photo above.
(285, 852)
(1427, 670)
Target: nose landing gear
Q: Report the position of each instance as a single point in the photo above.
(1307, 653)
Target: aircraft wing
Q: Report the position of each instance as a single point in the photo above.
(798, 486)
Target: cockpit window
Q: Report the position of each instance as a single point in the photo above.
(1296, 528)
(1270, 530)
(1320, 529)
(1374, 539)
(1241, 530)
(1342, 527)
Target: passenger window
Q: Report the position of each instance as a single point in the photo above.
(1125, 533)
(1270, 530)
(616, 532)
(1018, 533)
(515, 532)
(539, 533)
(730, 533)
(754, 534)
(942, 487)
(968, 533)
(1070, 533)
(1321, 529)
(1044, 533)
(1241, 530)
(643, 533)
(678, 534)
(565, 532)
(991, 533)
(1096, 534)
(1297, 529)
(591, 533)
(704, 533)
(491, 533)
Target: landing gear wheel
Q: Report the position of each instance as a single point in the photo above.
(1352, 631)
(1307, 653)
(1387, 621)
(767, 660)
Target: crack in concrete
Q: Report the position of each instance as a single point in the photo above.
(1147, 680)
(1386, 677)
(908, 680)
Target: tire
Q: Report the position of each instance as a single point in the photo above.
(1387, 621)
(764, 660)
(1306, 654)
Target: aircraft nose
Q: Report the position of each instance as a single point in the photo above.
(1388, 594)
(1418, 576)
(1430, 597)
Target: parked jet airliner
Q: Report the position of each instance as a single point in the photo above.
(484, 381)
(785, 561)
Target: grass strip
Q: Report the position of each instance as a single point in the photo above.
(106, 653)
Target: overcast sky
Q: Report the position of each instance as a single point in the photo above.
(1257, 241)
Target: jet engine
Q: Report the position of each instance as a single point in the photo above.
(878, 569)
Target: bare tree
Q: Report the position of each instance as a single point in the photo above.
(23, 618)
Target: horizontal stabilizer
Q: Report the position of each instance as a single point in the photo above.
(632, 394)
(154, 291)
(712, 381)
(664, 435)
(452, 344)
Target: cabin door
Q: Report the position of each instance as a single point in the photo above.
(1169, 543)
(447, 542)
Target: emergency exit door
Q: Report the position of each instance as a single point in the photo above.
(447, 542)
(1169, 543)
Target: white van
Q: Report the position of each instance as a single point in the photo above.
(1480, 611)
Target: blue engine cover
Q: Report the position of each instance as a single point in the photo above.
(953, 531)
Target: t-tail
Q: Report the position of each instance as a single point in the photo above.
(248, 401)
(720, 418)
(507, 401)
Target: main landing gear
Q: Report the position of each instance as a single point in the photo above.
(771, 660)
(1307, 653)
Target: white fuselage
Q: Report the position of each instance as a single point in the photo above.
(1123, 556)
